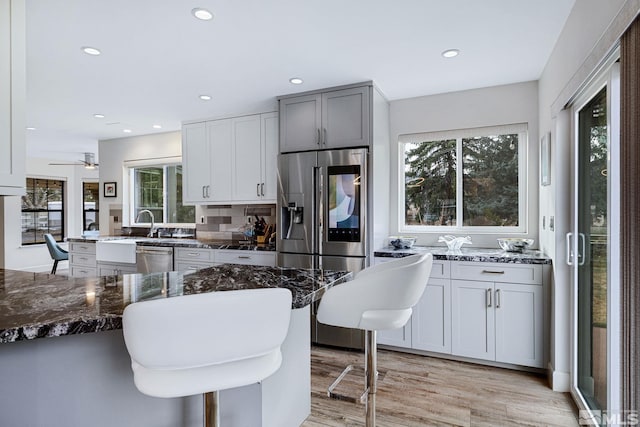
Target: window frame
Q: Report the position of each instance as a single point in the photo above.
(129, 173)
(62, 210)
(459, 134)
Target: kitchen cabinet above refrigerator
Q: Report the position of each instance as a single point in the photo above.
(326, 120)
(230, 160)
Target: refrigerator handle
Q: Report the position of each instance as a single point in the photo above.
(320, 206)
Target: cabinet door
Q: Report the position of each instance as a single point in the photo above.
(219, 134)
(12, 97)
(519, 323)
(196, 163)
(345, 118)
(400, 337)
(472, 319)
(300, 119)
(247, 158)
(431, 319)
(269, 156)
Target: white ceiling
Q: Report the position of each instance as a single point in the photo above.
(157, 58)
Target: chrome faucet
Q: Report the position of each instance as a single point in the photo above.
(152, 220)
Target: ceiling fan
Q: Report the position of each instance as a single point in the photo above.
(89, 162)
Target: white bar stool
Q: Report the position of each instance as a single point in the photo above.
(204, 343)
(380, 297)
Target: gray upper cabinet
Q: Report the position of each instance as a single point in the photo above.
(331, 119)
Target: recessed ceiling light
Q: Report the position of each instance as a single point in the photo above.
(99, 116)
(31, 128)
(91, 50)
(157, 126)
(202, 14)
(450, 53)
(126, 130)
(205, 97)
(295, 80)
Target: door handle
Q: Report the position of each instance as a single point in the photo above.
(581, 253)
(324, 139)
(204, 194)
(497, 298)
(489, 297)
(208, 193)
(262, 189)
(318, 141)
(258, 190)
(569, 254)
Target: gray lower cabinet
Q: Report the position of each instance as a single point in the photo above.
(82, 259)
(479, 310)
(115, 269)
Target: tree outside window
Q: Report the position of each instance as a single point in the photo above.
(486, 194)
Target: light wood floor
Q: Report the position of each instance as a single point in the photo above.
(426, 391)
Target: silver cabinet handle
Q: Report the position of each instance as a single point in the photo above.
(243, 257)
(208, 192)
(324, 139)
(258, 190)
(262, 189)
(318, 141)
(488, 297)
(493, 272)
(497, 298)
(194, 254)
(203, 192)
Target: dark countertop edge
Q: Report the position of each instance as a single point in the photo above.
(178, 243)
(109, 322)
(469, 254)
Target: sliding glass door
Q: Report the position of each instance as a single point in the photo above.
(594, 247)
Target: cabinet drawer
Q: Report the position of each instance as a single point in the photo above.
(76, 271)
(191, 266)
(85, 248)
(247, 257)
(191, 254)
(110, 269)
(497, 272)
(88, 260)
(439, 270)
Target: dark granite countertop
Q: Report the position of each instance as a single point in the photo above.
(469, 254)
(38, 305)
(180, 243)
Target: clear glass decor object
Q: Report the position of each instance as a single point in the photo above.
(454, 243)
(514, 244)
(402, 242)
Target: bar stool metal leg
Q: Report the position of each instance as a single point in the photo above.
(371, 372)
(211, 409)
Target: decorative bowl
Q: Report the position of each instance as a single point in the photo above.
(514, 244)
(454, 243)
(402, 242)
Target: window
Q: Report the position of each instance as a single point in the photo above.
(159, 190)
(90, 206)
(472, 179)
(42, 210)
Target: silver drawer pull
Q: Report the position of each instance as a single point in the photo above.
(193, 254)
(488, 297)
(493, 272)
(244, 257)
(497, 298)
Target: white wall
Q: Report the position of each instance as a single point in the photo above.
(114, 152)
(499, 105)
(584, 28)
(36, 257)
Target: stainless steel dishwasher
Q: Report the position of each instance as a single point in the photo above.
(154, 259)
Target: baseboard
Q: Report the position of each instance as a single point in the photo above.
(558, 381)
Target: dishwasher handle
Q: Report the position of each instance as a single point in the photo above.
(154, 251)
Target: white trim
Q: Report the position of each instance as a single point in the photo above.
(417, 138)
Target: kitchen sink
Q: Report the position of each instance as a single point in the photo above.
(118, 251)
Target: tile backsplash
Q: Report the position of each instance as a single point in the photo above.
(229, 222)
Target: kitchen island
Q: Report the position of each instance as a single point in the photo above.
(64, 363)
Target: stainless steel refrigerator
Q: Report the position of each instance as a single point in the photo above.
(322, 221)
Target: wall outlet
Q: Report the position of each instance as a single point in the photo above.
(248, 220)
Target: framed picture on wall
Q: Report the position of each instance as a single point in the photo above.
(110, 189)
(545, 159)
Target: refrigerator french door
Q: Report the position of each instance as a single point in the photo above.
(322, 213)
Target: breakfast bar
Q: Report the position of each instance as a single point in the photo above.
(63, 360)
